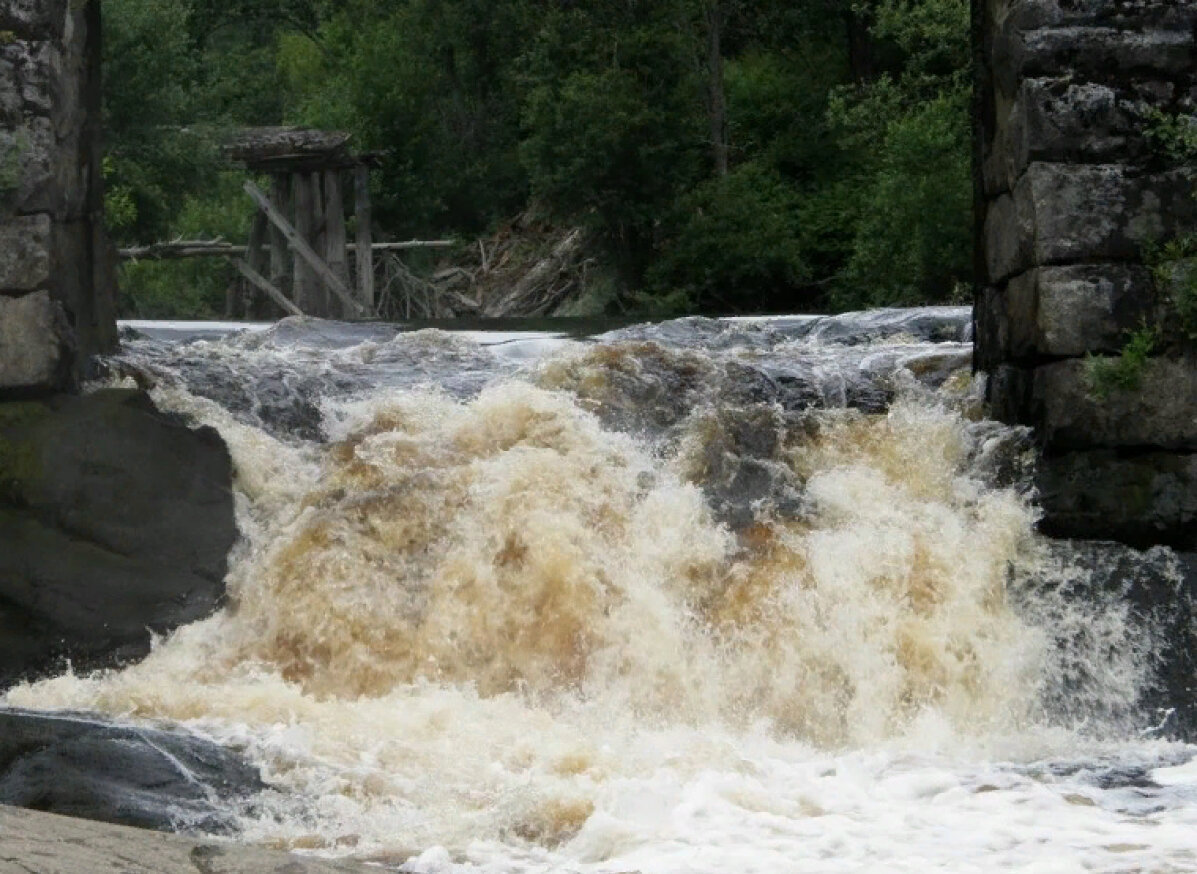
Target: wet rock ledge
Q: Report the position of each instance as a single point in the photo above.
(115, 523)
(44, 843)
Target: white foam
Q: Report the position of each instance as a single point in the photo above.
(492, 636)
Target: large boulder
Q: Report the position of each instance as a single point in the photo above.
(115, 524)
(80, 765)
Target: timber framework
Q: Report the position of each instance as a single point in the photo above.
(298, 255)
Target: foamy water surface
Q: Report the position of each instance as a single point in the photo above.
(552, 619)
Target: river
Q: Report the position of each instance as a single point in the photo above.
(756, 595)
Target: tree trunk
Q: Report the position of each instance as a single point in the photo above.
(860, 46)
(716, 97)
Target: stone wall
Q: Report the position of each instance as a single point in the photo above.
(1074, 189)
(57, 276)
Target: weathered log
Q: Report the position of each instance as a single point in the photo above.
(305, 284)
(334, 227)
(281, 269)
(181, 249)
(220, 249)
(301, 248)
(260, 282)
(255, 145)
(364, 213)
(535, 281)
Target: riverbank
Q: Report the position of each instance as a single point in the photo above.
(43, 843)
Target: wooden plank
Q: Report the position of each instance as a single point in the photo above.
(327, 307)
(257, 256)
(280, 255)
(262, 283)
(220, 249)
(335, 250)
(365, 248)
(301, 248)
(305, 288)
(407, 244)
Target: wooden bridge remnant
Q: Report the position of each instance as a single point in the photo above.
(298, 251)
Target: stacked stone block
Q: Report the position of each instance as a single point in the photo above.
(1072, 191)
(57, 281)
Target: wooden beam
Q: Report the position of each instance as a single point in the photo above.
(406, 244)
(328, 307)
(262, 283)
(301, 248)
(335, 249)
(217, 248)
(363, 211)
(305, 287)
(281, 269)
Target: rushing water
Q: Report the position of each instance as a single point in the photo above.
(706, 596)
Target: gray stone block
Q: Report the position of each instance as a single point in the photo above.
(34, 18)
(1142, 499)
(1106, 51)
(1086, 308)
(1061, 119)
(1160, 413)
(24, 253)
(35, 345)
(1066, 213)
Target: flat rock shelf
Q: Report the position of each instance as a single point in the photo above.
(44, 843)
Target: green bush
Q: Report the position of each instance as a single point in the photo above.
(737, 246)
(1125, 371)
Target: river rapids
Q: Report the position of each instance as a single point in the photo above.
(703, 596)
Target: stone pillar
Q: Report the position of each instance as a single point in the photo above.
(57, 267)
(1074, 188)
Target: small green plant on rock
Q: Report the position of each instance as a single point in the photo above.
(1124, 372)
(1173, 268)
(1172, 134)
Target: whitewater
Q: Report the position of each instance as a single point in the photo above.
(704, 596)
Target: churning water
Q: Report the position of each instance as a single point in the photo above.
(706, 596)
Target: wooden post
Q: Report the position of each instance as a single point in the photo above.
(256, 256)
(327, 308)
(307, 286)
(280, 257)
(303, 250)
(335, 245)
(365, 253)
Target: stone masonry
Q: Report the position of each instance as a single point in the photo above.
(1074, 189)
(57, 276)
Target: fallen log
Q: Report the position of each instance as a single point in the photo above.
(220, 249)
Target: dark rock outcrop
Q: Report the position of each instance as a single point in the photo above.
(115, 523)
(81, 765)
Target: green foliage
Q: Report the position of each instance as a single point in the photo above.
(912, 220)
(848, 156)
(1173, 134)
(193, 288)
(738, 242)
(1173, 268)
(13, 150)
(1124, 372)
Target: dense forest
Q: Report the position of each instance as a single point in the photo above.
(721, 156)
